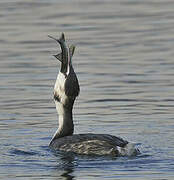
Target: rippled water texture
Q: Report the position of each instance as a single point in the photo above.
(125, 64)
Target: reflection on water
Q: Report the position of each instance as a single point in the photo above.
(124, 62)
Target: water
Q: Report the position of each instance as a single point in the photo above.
(124, 62)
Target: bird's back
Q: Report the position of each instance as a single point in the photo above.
(94, 144)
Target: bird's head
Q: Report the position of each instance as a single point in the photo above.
(71, 85)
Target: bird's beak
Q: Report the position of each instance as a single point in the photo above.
(65, 56)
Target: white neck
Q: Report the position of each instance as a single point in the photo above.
(64, 104)
(66, 126)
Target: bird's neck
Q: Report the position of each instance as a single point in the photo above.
(66, 126)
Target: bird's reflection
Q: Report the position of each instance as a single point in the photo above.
(68, 174)
(66, 163)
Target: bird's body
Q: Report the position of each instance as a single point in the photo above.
(66, 90)
(94, 144)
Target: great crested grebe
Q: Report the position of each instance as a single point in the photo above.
(66, 90)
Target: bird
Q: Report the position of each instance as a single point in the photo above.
(66, 89)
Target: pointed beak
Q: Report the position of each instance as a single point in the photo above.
(57, 56)
(59, 41)
(64, 56)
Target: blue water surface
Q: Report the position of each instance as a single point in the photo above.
(125, 66)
